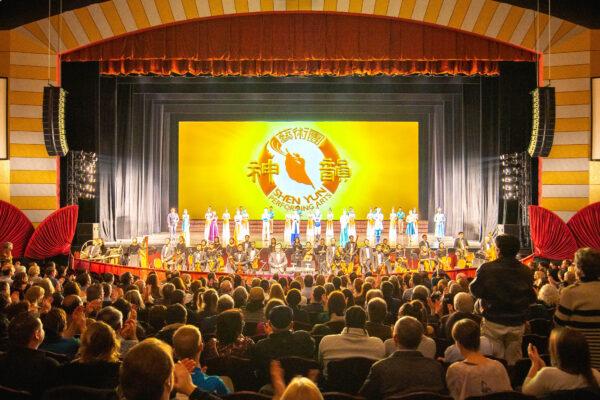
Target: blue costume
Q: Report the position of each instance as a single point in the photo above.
(344, 236)
(440, 225)
(296, 224)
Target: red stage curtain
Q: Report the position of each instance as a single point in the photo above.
(585, 226)
(302, 43)
(15, 228)
(54, 235)
(550, 235)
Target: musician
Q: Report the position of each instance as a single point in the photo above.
(350, 250)
(385, 247)
(200, 258)
(321, 256)
(424, 247)
(297, 253)
(400, 256)
(134, 253)
(181, 251)
(381, 262)
(331, 249)
(378, 224)
(272, 245)
(239, 260)
(167, 253)
(230, 248)
(442, 251)
(252, 256)
(277, 260)
(98, 250)
(297, 245)
(246, 245)
(366, 257)
(172, 221)
(317, 224)
(461, 245)
(308, 260)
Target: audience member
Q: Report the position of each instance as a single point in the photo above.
(229, 340)
(377, 313)
(336, 305)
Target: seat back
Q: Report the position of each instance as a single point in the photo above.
(540, 342)
(79, 392)
(294, 366)
(339, 396)
(421, 396)
(540, 326)
(302, 326)
(246, 395)
(7, 393)
(503, 396)
(239, 370)
(575, 394)
(348, 375)
(250, 328)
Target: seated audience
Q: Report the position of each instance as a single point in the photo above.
(176, 317)
(571, 365)
(353, 341)
(406, 370)
(293, 299)
(98, 363)
(187, 344)
(476, 375)
(377, 313)
(254, 311)
(60, 339)
(414, 309)
(463, 304)
(126, 331)
(229, 340)
(336, 305)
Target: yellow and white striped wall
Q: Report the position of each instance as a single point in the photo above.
(30, 176)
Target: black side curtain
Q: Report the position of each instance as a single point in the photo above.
(133, 165)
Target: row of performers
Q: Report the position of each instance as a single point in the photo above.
(400, 223)
(246, 258)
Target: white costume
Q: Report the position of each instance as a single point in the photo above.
(239, 228)
(225, 235)
(277, 261)
(207, 221)
(393, 233)
(371, 226)
(351, 223)
(245, 223)
(329, 228)
(317, 224)
(266, 226)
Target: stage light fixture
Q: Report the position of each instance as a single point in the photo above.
(82, 176)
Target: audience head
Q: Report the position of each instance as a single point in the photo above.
(187, 342)
(464, 303)
(467, 335)
(280, 318)
(570, 352)
(301, 388)
(549, 295)
(508, 246)
(587, 261)
(240, 297)
(318, 294)
(336, 303)
(176, 314)
(225, 303)
(408, 333)
(355, 317)
(112, 316)
(26, 330)
(377, 310)
(293, 298)
(55, 322)
(99, 343)
(230, 325)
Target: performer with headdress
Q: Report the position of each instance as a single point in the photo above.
(344, 237)
(225, 229)
(266, 226)
(329, 228)
(310, 228)
(213, 233)
(271, 218)
(378, 224)
(245, 221)
(317, 224)
(371, 226)
(411, 226)
(207, 221)
(439, 220)
(185, 226)
(393, 234)
(295, 228)
(172, 221)
(351, 222)
(238, 228)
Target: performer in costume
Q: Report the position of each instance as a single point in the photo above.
(238, 262)
(199, 258)
(207, 221)
(461, 245)
(401, 216)
(331, 248)
(246, 244)
(350, 250)
(366, 257)
(144, 252)
(271, 218)
(295, 229)
(166, 254)
(266, 226)
(277, 260)
(252, 256)
(134, 253)
(344, 229)
(213, 232)
(329, 228)
(439, 220)
(172, 221)
(371, 226)
(225, 229)
(393, 234)
(185, 226)
(231, 248)
(381, 261)
(297, 253)
(411, 226)
(317, 224)
(321, 253)
(181, 253)
(245, 222)
(238, 228)
(287, 230)
(378, 224)
(310, 228)
(351, 222)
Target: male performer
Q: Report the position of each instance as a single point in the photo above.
(424, 247)
(238, 263)
(366, 257)
(277, 260)
(401, 216)
(252, 256)
(167, 253)
(350, 250)
(461, 245)
(181, 252)
(381, 261)
(231, 248)
(238, 226)
(295, 228)
(329, 227)
(371, 225)
(172, 221)
(310, 228)
(392, 233)
(266, 225)
(200, 257)
(246, 245)
(321, 252)
(297, 253)
(308, 260)
(378, 224)
(331, 249)
(439, 220)
(97, 250)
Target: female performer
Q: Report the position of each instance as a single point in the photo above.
(401, 216)
(317, 223)
(371, 226)
(393, 234)
(411, 225)
(287, 230)
(378, 224)
(214, 227)
(207, 221)
(344, 229)
(226, 234)
(185, 227)
(238, 230)
(440, 224)
(351, 222)
(266, 226)
(329, 228)
(310, 228)
(245, 222)
(296, 224)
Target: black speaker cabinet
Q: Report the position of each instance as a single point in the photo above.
(544, 117)
(85, 232)
(55, 138)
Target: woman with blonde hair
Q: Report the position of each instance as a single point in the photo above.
(300, 388)
(98, 363)
(276, 292)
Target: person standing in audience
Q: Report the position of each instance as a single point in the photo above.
(406, 370)
(505, 287)
(187, 344)
(571, 365)
(476, 375)
(579, 304)
(353, 341)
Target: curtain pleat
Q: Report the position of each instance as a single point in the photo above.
(54, 235)
(15, 227)
(550, 235)
(585, 226)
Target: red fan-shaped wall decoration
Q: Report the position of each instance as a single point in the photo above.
(15, 227)
(550, 235)
(585, 226)
(54, 235)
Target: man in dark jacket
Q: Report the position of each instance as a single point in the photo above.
(505, 290)
(406, 370)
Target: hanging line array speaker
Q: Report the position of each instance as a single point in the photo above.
(544, 117)
(54, 121)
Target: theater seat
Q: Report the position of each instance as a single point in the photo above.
(420, 396)
(503, 396)
(246, 395)
(540, 326)
(540, 342)
(348, 375)
(576, 394)
(340, 396)
(79, 392)
(7, 393)
(240, 370)
(294, 366)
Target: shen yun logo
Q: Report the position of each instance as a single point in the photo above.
(299, 167)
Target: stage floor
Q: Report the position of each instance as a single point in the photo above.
(158, 239)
